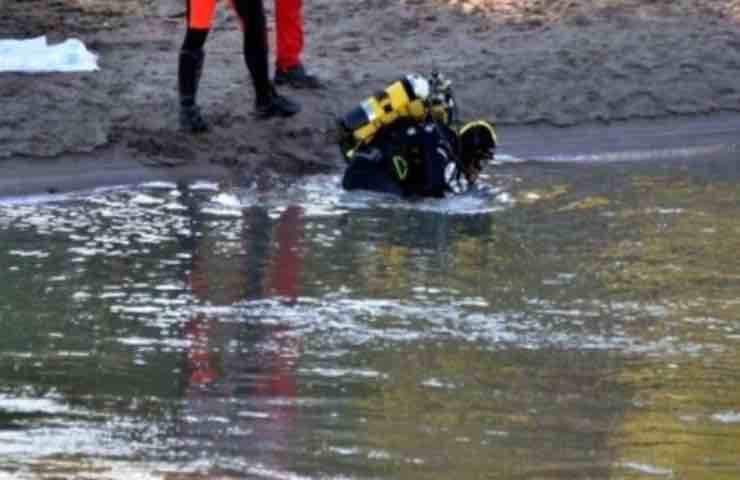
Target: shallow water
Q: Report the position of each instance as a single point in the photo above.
(566, 321)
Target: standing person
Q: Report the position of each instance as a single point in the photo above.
(199, 20)
(289, 31)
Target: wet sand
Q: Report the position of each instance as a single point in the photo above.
(669, 139)
(559, 78)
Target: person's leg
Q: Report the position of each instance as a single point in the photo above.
(289, 33)
(289, 28)
(269, 103)
(190, 63)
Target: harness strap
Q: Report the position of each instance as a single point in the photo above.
(401, 166)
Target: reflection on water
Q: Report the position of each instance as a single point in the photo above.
(560, 323)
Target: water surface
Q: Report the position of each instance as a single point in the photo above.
(565, 321)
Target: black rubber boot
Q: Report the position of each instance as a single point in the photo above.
(189, 71)
(273, 104)
(297, 77)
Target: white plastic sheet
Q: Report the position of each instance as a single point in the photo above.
(36, 55)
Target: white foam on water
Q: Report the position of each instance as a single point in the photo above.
(471, 302)
(275, 474)
(345, 451)
(175, 207)
(49, 406)
(173, 343)
(81, 296)
(314, 211)
(203, 186)
(138, 341)
(496, 433)
(669, 211)
(504, 158)
(347, 323)
(469, 203)
(227, 200)
(215, 310)
(436, 383)
(159, 185)
(323, 196)
(727, 417)
(30, 200)
(139, 310)
(203, 468)
(72, 354)
(505, 198)
(648, 469)
(341, 372)
(143, 199)
(29, 253)
(223, 212)
(253, 414)
(635, 155)
(379, 455)
(170, 287)
(90, 468)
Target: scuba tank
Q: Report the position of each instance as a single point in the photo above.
(412, 96)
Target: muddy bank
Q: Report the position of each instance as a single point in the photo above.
(671, 139)
(544, 62)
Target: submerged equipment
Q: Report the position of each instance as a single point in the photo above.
(412, 96)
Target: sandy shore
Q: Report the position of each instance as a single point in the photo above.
(551, 63)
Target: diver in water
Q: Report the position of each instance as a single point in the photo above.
(406, 141)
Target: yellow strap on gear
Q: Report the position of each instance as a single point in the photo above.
(480, 123)
(402, 168)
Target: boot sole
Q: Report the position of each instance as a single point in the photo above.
(297, 84)
(268, 115)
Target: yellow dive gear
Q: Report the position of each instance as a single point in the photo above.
(480, 128)
(412, 96)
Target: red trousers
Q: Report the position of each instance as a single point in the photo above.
(288, 22)
(289, 26)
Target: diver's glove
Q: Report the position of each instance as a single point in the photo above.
(455, 180)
